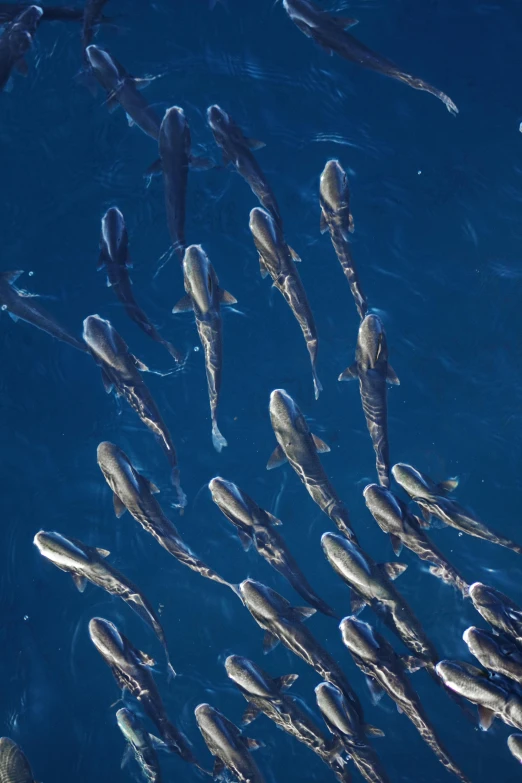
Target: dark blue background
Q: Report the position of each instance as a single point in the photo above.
(437, 203)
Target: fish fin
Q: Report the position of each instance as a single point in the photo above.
(21, 66)
(107, 383)
(270, 642)
(80, 582)
(486, 717)
(226, 159)
(112, 103)
(376, 692)
(130, 120)
(184, 304)
(102, 552)
(154, 168)
(102, 263)
(253, 744)
(373, 731)
(449, 485)
(412, 663)
(286, 681)
(325, 48)
(262, 267)
(396, 544)
(277, 458)
(320, 445)
(394, 570)
(202, 164)
(218, 767)
(127, 756)
(143, 81)
(351, 224)
(294, 255)
(391, 376)
(226, 297)
(302, 613)
(425, 524)
(13, 317)
(344, 22)
(119, 507)
(12, 276)
(159, 744)
(426, 517)
(245, 539)
(140, 365)
(145, 659)
(323, 224)
(109, 284)
(350, 374)
(255, 144)
(273, 520)
(250, 714)
(399, 709)
(152, 486)
(357, 603)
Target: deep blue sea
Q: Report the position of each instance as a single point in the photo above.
(437, 205)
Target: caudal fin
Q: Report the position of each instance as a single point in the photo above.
(217, 438)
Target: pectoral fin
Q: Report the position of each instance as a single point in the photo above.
(357, 604)
(376, 692)
(127, 756)
(255, 144)
(273, 520)
(412, 663)
(323, 224)
(286, 681)
(350, 374)
(140, 365)
(218, 767)
(253, 744)
(396, 544)
(373, 731)
(394, 570)
(80, 582)
(277, 459)
(184, 304)
(107, 383)
(13, 317)
(302, 613)
(486, 717)
(391, 377)
(152, 486)
(344, 22)
(12, 276)
(270, 642)
(295, 257)
(145, 659)
(130, 120)
(226, 297)
(159, 744)
(262, 267)
(449, 485)
(245, 540)
(320, 445)
(142, 82)
(102, 552)
(119, 507)
(154, 168)
(250, 714)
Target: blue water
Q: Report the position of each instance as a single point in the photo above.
(436, 202)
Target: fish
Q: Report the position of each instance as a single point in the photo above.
(256, 526)
(431, 498)
(134, 493)
(130, 668)
(88, 564)
(503, 614)
(267, 695)
(277, 259)
(283, 622)
(21, 306)
(343, 722)
(297, 445)
(404, 528)
(373, 370)
(329, 32)
(121, 372)
(15, 41)
(495, 654)
(376, 658)
(337, 219)
(141, 745)
(515, 746)
(229, 747)
(205, 297)
(115, 259)
(124, 90)
(237, 149)
(492, 699)
(14, 767)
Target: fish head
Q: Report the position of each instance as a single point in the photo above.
(466, 680)
(250, 678)
(286, 418)
(300, 10)
(385, 508)
(65, 554)
(485, 598)
(103, 340)
(174, 125)
(218, 120)
(103, 64)
(333, 189)
(216, 729)
(130, 726)
(514, 744)
(118, 471)
(27, 22)
(339, 716)
(107, 640)
(262, 602)
(265, 231)
(361, 640)
(371, 342)
(114, 237)
(231, 501)
(412, 481)
(347, 559)
(201, 282)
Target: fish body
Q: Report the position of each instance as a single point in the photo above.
(205, 296)
(345, 725)
(405, 529)
(503, 614)
(15, 41)
(377, 660)
(301, 449)
(336, 218)
(14, 767)
(121, 372)
(257, 526)
(229, 747)
(424, 491)
(174, 149)
(495, 654)
(237, 149)
(277, 259)
(515, 746)
(329, 32)
(123, 89)
(89, 564)
(372, 369)
(131, 670)
(284, 623)
(140, 744)
(22, 306)
(134, 493)
(115, 259)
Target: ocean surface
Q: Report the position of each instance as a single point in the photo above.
(437, 205)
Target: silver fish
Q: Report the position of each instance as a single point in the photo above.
(515, 746)
(503, 614)
(15, 41)
(495, 654)
(141, 745)
(14, 767)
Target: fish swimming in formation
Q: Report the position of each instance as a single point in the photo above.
(237, 149)
(16, 40)
(296, 444)
(372, 369)
(141, 745)
(267, 695)
(256, 526)
(277, 259)
(345, 725)
(515, 746)
(492, 699)
(115, 259)
(228, 746)
(130, 668)
(21, 305)
(330, 33)
(134, 493)
(376, 658)
(495, 654)
(88, 564)
(431, 498)
(395, 519)
(205, 297)
(503, 614)
(14, 767)
(124, 90)
(121, 372)
(337, 219)
(284, 623)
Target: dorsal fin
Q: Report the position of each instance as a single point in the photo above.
(394, 570)
(286, 681)
(320, 445)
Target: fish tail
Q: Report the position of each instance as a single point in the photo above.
(420, 84)
(318, 386)
(171, 672)
(182, 498)
(176, 355)
(235, 589)
(217, 438)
